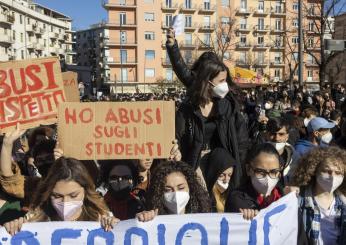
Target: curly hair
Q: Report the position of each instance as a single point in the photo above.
(309, 164)
(199, 199)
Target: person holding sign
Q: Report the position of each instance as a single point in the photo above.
(174, 189)
(321, 178)
(66, 194)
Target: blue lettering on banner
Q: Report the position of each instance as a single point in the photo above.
(266, 225)
(26, 237)
(192, 226)
(60, 234)
(252, 233)
(136, 231)
(224, 231)
(108, 236)
(161, 233)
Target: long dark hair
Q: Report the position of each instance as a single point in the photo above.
(199, 200)
(201, 90)
(68, 169)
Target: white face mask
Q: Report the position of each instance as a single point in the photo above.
(66, 210)
(220, 90)
(176, 201)
(264, 185)
(278, 146)
(267, 106)
(306, 122)
(222, 186)
(327, 138)
(329, 183)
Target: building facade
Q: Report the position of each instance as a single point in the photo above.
(263, 37)
(29, 30)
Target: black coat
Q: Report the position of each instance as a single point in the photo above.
(230, 126)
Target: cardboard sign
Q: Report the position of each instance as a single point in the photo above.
(30, 91)
(111, 130)
(70, 80)
(277, 224)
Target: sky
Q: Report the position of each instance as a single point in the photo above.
(83, 12)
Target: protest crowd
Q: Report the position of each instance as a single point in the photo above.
(235, 150)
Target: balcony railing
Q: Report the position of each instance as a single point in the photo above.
(260, 62)
(7, 19)
(277, 63)
(261, 46)
(207, 8)
(260, 12)
(169, 7)
(188, 44)
(128, 42)
(119, 3)
(6, 39)
(261, 28)
(278, 12)
(188, 8)
(191, 26)
(122, 24)
(243, 28)
(242, 45)
(123, 60)
(242, 62)
(242, 11)
(207, 27)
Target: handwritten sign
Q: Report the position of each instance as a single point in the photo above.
(277, 224)
(30, 92)
(71, 86)
(110, 130)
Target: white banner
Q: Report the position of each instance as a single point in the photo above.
(277, 224)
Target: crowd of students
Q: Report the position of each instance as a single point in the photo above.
(235, 151)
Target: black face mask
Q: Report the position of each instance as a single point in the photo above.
(121, 188)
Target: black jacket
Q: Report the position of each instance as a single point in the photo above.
(230, 126)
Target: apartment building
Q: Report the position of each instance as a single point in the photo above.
(30, 30)
(92, 52)
(264, 37)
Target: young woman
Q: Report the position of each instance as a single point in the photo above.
(219, 177)
(67, 194)
(320, 176)
(260, 188)
(174, 189)
(144, 166)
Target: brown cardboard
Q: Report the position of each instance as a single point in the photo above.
(116, 130)
(30, 91)
(71, 86)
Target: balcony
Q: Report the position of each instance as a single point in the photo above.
(166, 62)
(311, 63)
(53, 35)
(188, 44)
(277, 46)
(242, 28)
(122, 61)
(261, 29)
(260, 63)
(61, 51)
(278, 12)
(207, 27)
(241, 45)
(39, 46)
(261, 46)
(6, 40)
(311, 13)
(260, 12)
(119, 4)
(119, 24)
(242, 63)
(241, 11)
(169, 8)
(127, 43)
(190, 26)
(7, 19)
(207, 8)
(277, 30)
(61, 36)
(30, 28)
(277, 63)
(313, 48)
(188, 8)
(39, 31)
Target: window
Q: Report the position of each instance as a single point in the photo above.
(206, 4)
(123, 55)
(206, 21)
(310, 59)
(260, 24)
(149, 72)
(149, 35)
(149, 17)
(310, 73)
(260, 57)
(243, 4)
(206, 39)
(278, 24)
(224, 38)
(242, 57)
(21, 19)
(188, 4)
(188, 21)
(295, 40)
(227, 55)
(277, 73)
(124, 75)
(21, 37)
(14, 35)
(123, 37)
(45, 42)
(122, 18)
(188, 56)
(28, 20)
(22, 54)
(260, 6)
(278, 58)
(169, 20)
(243, 23)
(243, 40)
(188, 38)
(225, 20)
(278, 41)
(311, 26)
(278, 8)
(310, 42)
(295, 23)
(260, 40)
(149, 54)
(169, 3)
(169, 74)
(225, 3)
(295, 6)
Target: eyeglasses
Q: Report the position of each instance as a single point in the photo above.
(262, 173)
